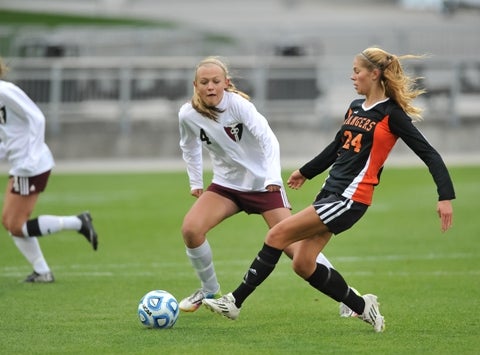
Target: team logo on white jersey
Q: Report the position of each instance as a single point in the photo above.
(234, 132)
(3, 115)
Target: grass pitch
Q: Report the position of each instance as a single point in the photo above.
(427, 282)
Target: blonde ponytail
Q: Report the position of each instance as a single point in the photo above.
(397, 85)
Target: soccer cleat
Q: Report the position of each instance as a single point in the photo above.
(87, 229)
(371, 313)
(224, 305)
(345, 311)
(194, 301)
(35, 277)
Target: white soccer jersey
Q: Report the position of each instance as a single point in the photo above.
(244, 151)
(22, 133)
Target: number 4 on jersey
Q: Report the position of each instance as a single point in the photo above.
(204, 137)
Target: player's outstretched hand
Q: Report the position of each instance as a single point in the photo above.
(296, 180)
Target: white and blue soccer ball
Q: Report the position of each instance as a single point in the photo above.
(158, 309)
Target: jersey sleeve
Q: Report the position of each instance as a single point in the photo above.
(401, 125)
(191, 152)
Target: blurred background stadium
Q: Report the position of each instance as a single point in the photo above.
(111, 85)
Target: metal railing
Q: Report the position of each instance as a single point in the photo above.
(126, 89)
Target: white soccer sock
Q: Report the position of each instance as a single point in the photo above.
(202, 261)
(30, 248)
(322, 259)
(53, 224)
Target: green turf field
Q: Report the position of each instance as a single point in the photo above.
(428, 283)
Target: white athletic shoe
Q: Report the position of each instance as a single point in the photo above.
(345, 311)
(224, 305)
(194, 301)
(371, 313)
(35, 277)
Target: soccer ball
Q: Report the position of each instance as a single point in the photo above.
(158, 309)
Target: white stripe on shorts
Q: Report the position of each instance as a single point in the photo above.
(286, 203)
(21, 185)
(329, 211)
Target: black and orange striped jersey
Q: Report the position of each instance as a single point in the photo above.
(361, 146)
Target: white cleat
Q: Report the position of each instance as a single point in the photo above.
(35, 277)
(224, 305)
(371, 313)
(194, 301)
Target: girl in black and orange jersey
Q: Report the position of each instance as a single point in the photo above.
(355, 157)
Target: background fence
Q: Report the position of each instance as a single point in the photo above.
(128, 106)
(125, 89)
(115, 92)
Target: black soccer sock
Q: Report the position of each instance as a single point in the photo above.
(330, 282)
(259, 270)
(354, 302)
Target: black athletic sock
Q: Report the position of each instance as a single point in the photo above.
(330, 282)
(354, 302)
(259, 270)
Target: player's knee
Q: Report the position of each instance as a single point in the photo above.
(302, 267)
(187, 231)
(13, 224)
(192, 235)
(14, 228)
(277, 238)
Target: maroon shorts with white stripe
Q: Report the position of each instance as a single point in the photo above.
(253, 202)
(338, 213)
(29, 185)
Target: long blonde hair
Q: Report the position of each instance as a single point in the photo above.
(396, 84)
(212, 112)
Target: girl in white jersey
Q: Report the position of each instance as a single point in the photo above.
(245, 155)
(22, 130)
